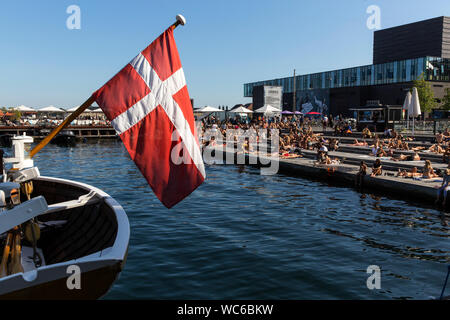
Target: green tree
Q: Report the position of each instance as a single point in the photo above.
(17, 115)
(446, 100)
(426, 94)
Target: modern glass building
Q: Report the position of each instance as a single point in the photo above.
(433, 69)
(387, 82)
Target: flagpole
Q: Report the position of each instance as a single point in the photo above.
(180, 20)
(63, 124)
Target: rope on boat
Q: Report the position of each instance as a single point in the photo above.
(35, 234)
(445, 284)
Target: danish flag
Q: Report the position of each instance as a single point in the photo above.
(148, 105)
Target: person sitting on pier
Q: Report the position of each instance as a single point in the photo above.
(348, 130)
(403, 146)
(428, 172)
(245, 146)
(378, 151)
(444, 188)
(387, 133)
(361, 174)
(328, 160)
(439, 137)
(436, 148)
(446, 155)
(377, 168)
(356, 143)
(322, 154)
(211, 143)
(366, 133)
(409, 157)
(334, 144)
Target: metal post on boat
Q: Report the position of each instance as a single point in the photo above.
(2, 166)
(179, 20)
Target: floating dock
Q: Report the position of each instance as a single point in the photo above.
(345, 172)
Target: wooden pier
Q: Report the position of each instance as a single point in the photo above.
(416, 189)
(39, 132)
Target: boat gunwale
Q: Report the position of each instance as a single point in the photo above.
(109, 256)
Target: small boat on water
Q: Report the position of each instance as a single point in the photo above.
(59, 239)
(65, 138)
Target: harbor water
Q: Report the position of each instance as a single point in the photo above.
(242, 235)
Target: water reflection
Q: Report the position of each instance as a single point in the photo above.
(245, 236)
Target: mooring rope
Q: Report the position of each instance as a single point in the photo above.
(445, 283)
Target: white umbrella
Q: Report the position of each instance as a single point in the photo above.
(241, 110)
(72, 109)
(415, 106)
(208, 109)
(51, 108)
(407, 106)
(267, 109)
(23, 108)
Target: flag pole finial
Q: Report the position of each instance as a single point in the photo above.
(181, 19)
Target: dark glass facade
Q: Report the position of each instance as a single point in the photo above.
(433, 69)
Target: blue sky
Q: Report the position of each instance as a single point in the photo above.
(223, 45)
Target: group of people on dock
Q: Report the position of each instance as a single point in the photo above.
(296, 136)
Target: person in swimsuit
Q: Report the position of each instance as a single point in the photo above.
(359, 144)
(377, 168)
(361, 174)
(409, 157)
(414, 173)
(443, 189)
(428, 172)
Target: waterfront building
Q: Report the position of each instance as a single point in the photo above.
(400, 56)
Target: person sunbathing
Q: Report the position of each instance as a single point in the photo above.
(328, 160)
(392, 144)
(290, 155)
(436, 148)
(446, 155)
(414, 173)
(356, 143)
(428, 172)
(409, 157)
(377, 168)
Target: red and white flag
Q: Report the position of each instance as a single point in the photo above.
(148, 105)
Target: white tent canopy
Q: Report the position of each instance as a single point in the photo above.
(241, 110)
(96, 110)
(407, 103)
(208, 109)
(414, 106)
(50, 108)
(23, 108)
(72, 109)
(267, 109)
